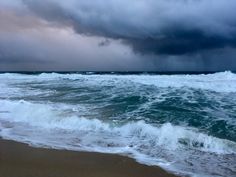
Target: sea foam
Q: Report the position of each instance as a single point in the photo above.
(45, 110)
(132, 133)
(218, 82)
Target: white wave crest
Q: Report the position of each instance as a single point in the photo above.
(59, 126)
(218, 82)
(133, 134)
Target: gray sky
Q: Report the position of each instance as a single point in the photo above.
(118, 35)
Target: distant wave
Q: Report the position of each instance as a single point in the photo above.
(218, 82)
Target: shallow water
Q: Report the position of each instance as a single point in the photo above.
(184, 123)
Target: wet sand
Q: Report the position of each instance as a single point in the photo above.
(21, 160)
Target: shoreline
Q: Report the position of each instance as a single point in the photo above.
(21, 160)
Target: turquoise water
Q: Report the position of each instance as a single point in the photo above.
(184, 123)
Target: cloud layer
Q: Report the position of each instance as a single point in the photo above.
(155, 26)
(122, 35)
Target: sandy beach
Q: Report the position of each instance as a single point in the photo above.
(21, 160)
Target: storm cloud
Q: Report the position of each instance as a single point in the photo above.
(124, 35)
(159, 27)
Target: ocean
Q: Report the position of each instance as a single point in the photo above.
(183, 123)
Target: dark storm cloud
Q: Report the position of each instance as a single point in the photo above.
(181, 42)
(103, 43)
(118, 35)
(169, 27)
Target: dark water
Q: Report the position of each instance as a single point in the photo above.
(184, 123)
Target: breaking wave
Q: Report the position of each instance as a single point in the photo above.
(184, 123)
